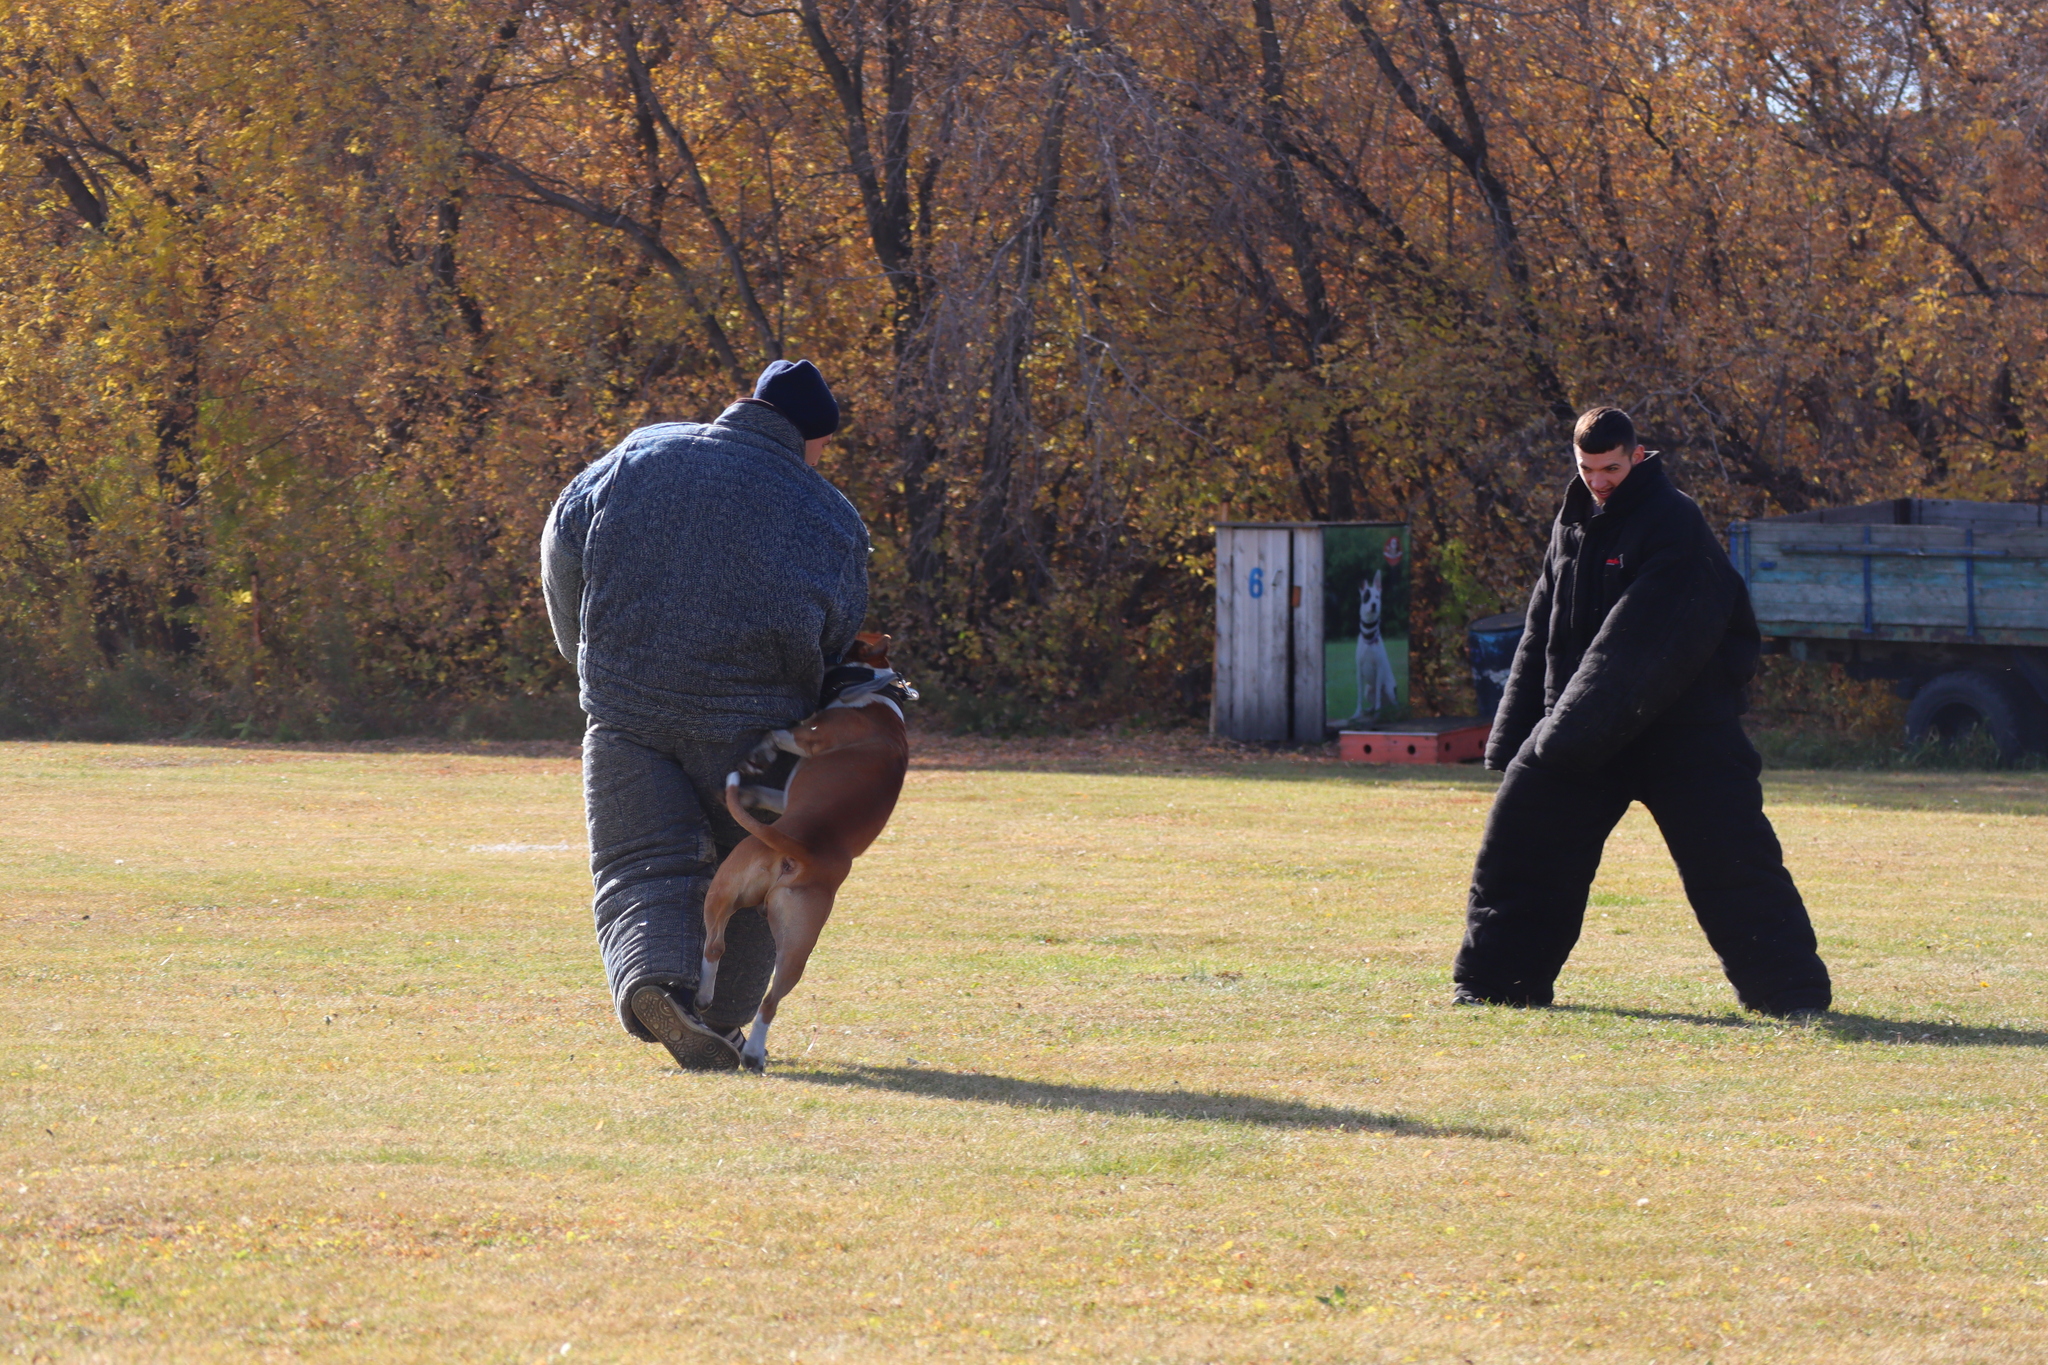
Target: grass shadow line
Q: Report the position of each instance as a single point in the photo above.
(1186, 1105)
(1844, 1025)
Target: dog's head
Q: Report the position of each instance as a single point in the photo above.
(1369, 602)
(871, 648)
(866, 669)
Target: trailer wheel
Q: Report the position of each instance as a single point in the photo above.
(1953, 704)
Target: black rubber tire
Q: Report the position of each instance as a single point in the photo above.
(1951, 705)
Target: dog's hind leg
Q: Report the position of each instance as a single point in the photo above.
(739, 882)
(796, 915)
(718, 908)
(754, 1056)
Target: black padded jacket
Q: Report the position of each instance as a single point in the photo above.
(1637, 619)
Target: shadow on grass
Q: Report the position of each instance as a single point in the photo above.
(1842, 1025)
(1195, 1105)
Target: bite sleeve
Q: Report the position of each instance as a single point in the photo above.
(1521, 701)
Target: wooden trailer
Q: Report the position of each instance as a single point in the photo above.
(1948, 599)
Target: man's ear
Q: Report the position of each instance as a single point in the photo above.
(1641, 453)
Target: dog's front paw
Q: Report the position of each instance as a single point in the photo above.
(756, 1062)
(760, 758)
(758, 799)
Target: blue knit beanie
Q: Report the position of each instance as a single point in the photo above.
(796, 390)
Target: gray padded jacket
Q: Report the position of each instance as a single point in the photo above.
(702, 576)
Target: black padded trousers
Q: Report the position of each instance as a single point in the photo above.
(1542, 847)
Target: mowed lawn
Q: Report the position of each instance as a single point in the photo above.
(1106, 1055)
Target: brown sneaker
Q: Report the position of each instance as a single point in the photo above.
(695, 1045)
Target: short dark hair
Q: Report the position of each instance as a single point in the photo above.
(1602, 429)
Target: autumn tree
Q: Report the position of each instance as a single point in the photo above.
(311, 308)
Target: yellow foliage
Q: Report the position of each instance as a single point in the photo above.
(311, 308)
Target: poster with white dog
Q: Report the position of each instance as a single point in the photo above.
(1365, 623)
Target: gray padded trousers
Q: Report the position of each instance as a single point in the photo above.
(658, 831)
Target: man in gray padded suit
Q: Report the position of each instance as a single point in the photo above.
(702, 577)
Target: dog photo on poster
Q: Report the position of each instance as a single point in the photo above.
(1365, 624)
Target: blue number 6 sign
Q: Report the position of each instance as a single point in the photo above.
(1258, 583)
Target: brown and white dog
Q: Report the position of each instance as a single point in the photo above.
(851, 756)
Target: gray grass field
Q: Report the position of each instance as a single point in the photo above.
(1111, 1053)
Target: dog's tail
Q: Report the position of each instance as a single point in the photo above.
(781, 843)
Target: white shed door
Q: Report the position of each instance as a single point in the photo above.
(1253, 601)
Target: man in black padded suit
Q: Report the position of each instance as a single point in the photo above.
(1626, 687)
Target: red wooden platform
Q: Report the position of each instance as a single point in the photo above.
(1446, 739)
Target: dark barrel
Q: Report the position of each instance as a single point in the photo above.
(1491, 641)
